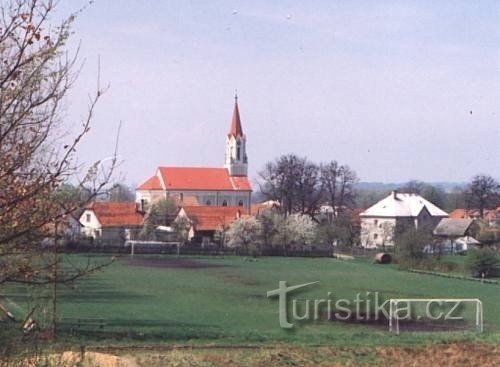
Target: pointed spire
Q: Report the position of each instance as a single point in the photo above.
(236, 129)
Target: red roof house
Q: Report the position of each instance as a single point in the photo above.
(111, 220)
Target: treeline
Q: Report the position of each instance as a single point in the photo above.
(302, 186)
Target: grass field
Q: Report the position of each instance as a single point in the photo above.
(223, 300)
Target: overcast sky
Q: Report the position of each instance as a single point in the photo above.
(397, 90)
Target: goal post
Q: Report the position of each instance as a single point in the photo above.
(435, 314)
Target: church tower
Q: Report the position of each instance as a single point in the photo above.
(236, 160)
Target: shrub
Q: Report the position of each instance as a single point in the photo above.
(409, 247)
(482, 262)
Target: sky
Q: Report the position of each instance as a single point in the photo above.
(397, 90)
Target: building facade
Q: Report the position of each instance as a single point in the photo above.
(379, 222)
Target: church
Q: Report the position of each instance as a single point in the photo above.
(208, 186)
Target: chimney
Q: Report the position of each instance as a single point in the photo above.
(395, 194)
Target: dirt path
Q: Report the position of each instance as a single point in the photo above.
(442, 355)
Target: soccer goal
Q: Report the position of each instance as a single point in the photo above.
(435, 314)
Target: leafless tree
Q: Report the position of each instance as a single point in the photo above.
(338, 182)
(483, 192)
(294, 182)
(37, 159)
(412, 187)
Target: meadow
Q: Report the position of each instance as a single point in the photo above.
(222, 300)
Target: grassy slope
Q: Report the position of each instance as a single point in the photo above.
(228, 304)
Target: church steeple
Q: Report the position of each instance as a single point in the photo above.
(236, 160)
(236, 129)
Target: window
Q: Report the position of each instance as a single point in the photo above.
(88, 218)
(181, 196)
(375, 236)
(224, 203)
(208, 203)
(238, 153)
(375, 221)
(240, 203)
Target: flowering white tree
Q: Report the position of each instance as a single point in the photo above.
(296, 230)
(245, 233)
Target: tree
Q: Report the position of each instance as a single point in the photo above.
(121, 192)
(245, 233)
(181, 226)
(456, 198)
(293, 182)
(161, 213)
(435, 195)
(387, 233)
(483, 262)
(268, 228)
(483, 192)
(410, 245)
(338, 186)
(295, 231)
(488, 235)
(413, 187)
(37, 162)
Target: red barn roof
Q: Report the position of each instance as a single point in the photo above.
(116, 214)
(212, 218)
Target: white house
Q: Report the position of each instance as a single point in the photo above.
(379, 221)
(111, 220)
(211, 186)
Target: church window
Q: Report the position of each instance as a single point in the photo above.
(208, 203)
(88, 218)
(238, 151)
(224, 203)
(240, 203)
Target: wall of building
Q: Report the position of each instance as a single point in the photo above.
(215, 198)
(91, 225)
(377, 231)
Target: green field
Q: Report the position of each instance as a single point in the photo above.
(223, 300)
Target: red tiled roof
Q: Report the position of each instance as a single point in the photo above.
(202, 178)
(152, 183)
(458, 214)
(489, 214)
(212, 218)
(186, 201)
(116, 214)
(235, 129)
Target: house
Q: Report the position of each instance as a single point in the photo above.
(205, 221)
(66, 228)
(456, 234)
(398, 209)
(107, 220)
(211, 186)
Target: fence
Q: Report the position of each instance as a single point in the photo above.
(170, 248)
